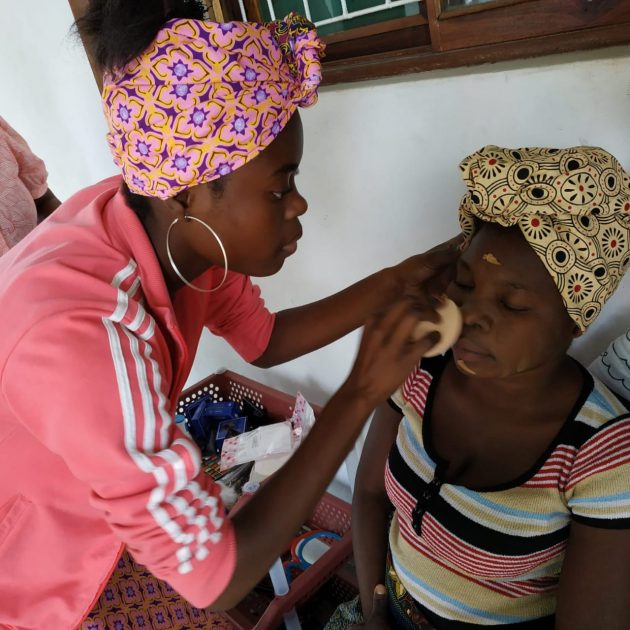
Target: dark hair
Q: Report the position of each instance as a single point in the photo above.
(116, 31)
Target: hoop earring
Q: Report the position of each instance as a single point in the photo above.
(177, 271)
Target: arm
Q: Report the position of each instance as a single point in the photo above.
(266, 524)
(46, 205)
(595, 580)
(303, 329)
(370, 505)
(31, 170)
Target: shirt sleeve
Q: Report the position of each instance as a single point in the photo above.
(101, 384)
(612, 367)
(415, 389)
(238, 313)
(598, 488)
(31, 170)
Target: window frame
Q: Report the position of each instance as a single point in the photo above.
(500, 30)
(436, 39)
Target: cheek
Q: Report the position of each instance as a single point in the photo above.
(529, 346)
(452, 292)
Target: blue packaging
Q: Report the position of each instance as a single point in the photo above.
(229, 428)
(226, 409)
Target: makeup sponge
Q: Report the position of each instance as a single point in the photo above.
(449, 326)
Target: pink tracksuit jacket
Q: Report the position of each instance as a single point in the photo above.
(93, 356)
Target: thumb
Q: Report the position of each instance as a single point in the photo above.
(379, 605)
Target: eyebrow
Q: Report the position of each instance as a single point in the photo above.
(288, 168)
(513, 284)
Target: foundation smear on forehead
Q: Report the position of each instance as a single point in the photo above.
(464, 368)
(492, 259)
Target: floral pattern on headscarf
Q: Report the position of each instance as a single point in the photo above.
(206, 98)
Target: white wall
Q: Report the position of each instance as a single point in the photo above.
(379, 169)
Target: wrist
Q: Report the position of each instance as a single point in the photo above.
(360, 398)
(391, 284)
(356, 399)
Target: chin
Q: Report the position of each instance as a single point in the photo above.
(268, 270)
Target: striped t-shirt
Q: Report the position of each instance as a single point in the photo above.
(494, 557)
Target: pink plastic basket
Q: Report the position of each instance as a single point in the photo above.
(332, 514)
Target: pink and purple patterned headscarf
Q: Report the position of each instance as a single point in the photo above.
(206, 98)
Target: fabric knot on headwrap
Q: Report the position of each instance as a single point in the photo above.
(573, 208)
(206, 98)
(302, 49)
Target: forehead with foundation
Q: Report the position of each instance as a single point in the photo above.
(491, 259)
(510, 256)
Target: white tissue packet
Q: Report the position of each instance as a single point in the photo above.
(266, 441)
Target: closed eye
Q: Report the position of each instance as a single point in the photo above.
(515, 309)
(463, 285)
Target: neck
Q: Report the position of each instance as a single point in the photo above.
(156, 231)
(560, 377)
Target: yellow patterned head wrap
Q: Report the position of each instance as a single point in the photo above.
(206, 98)
(573, 208)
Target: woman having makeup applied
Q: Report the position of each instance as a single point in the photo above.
(506, 463)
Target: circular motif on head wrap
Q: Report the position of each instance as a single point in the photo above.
(576, 243)
(572, 161)
(560, 257)
(466, 220)
(590, 311)
(579, 189)
(599, 269)
(614, 243)
(478, 196)
(492, 164)
(579, 287)
(610, 181)
(622, 205)
(586, 224)
(520, 172)
(537, 193)
(536, 227)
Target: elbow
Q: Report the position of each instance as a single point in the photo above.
(227, 600)
(220, 604)
(264, 361)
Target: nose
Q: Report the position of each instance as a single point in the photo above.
(476, 312)
(297, 206)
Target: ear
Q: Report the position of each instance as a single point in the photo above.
(179, 205)
(577, 331)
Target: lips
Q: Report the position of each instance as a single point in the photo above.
(469, 351)
(291, 246)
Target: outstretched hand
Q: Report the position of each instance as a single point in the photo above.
(388, 352)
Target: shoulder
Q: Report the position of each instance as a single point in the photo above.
(411, 396)
(600, 408)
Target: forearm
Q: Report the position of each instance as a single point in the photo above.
(266, 524)
(303, 329)
(369, 542)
